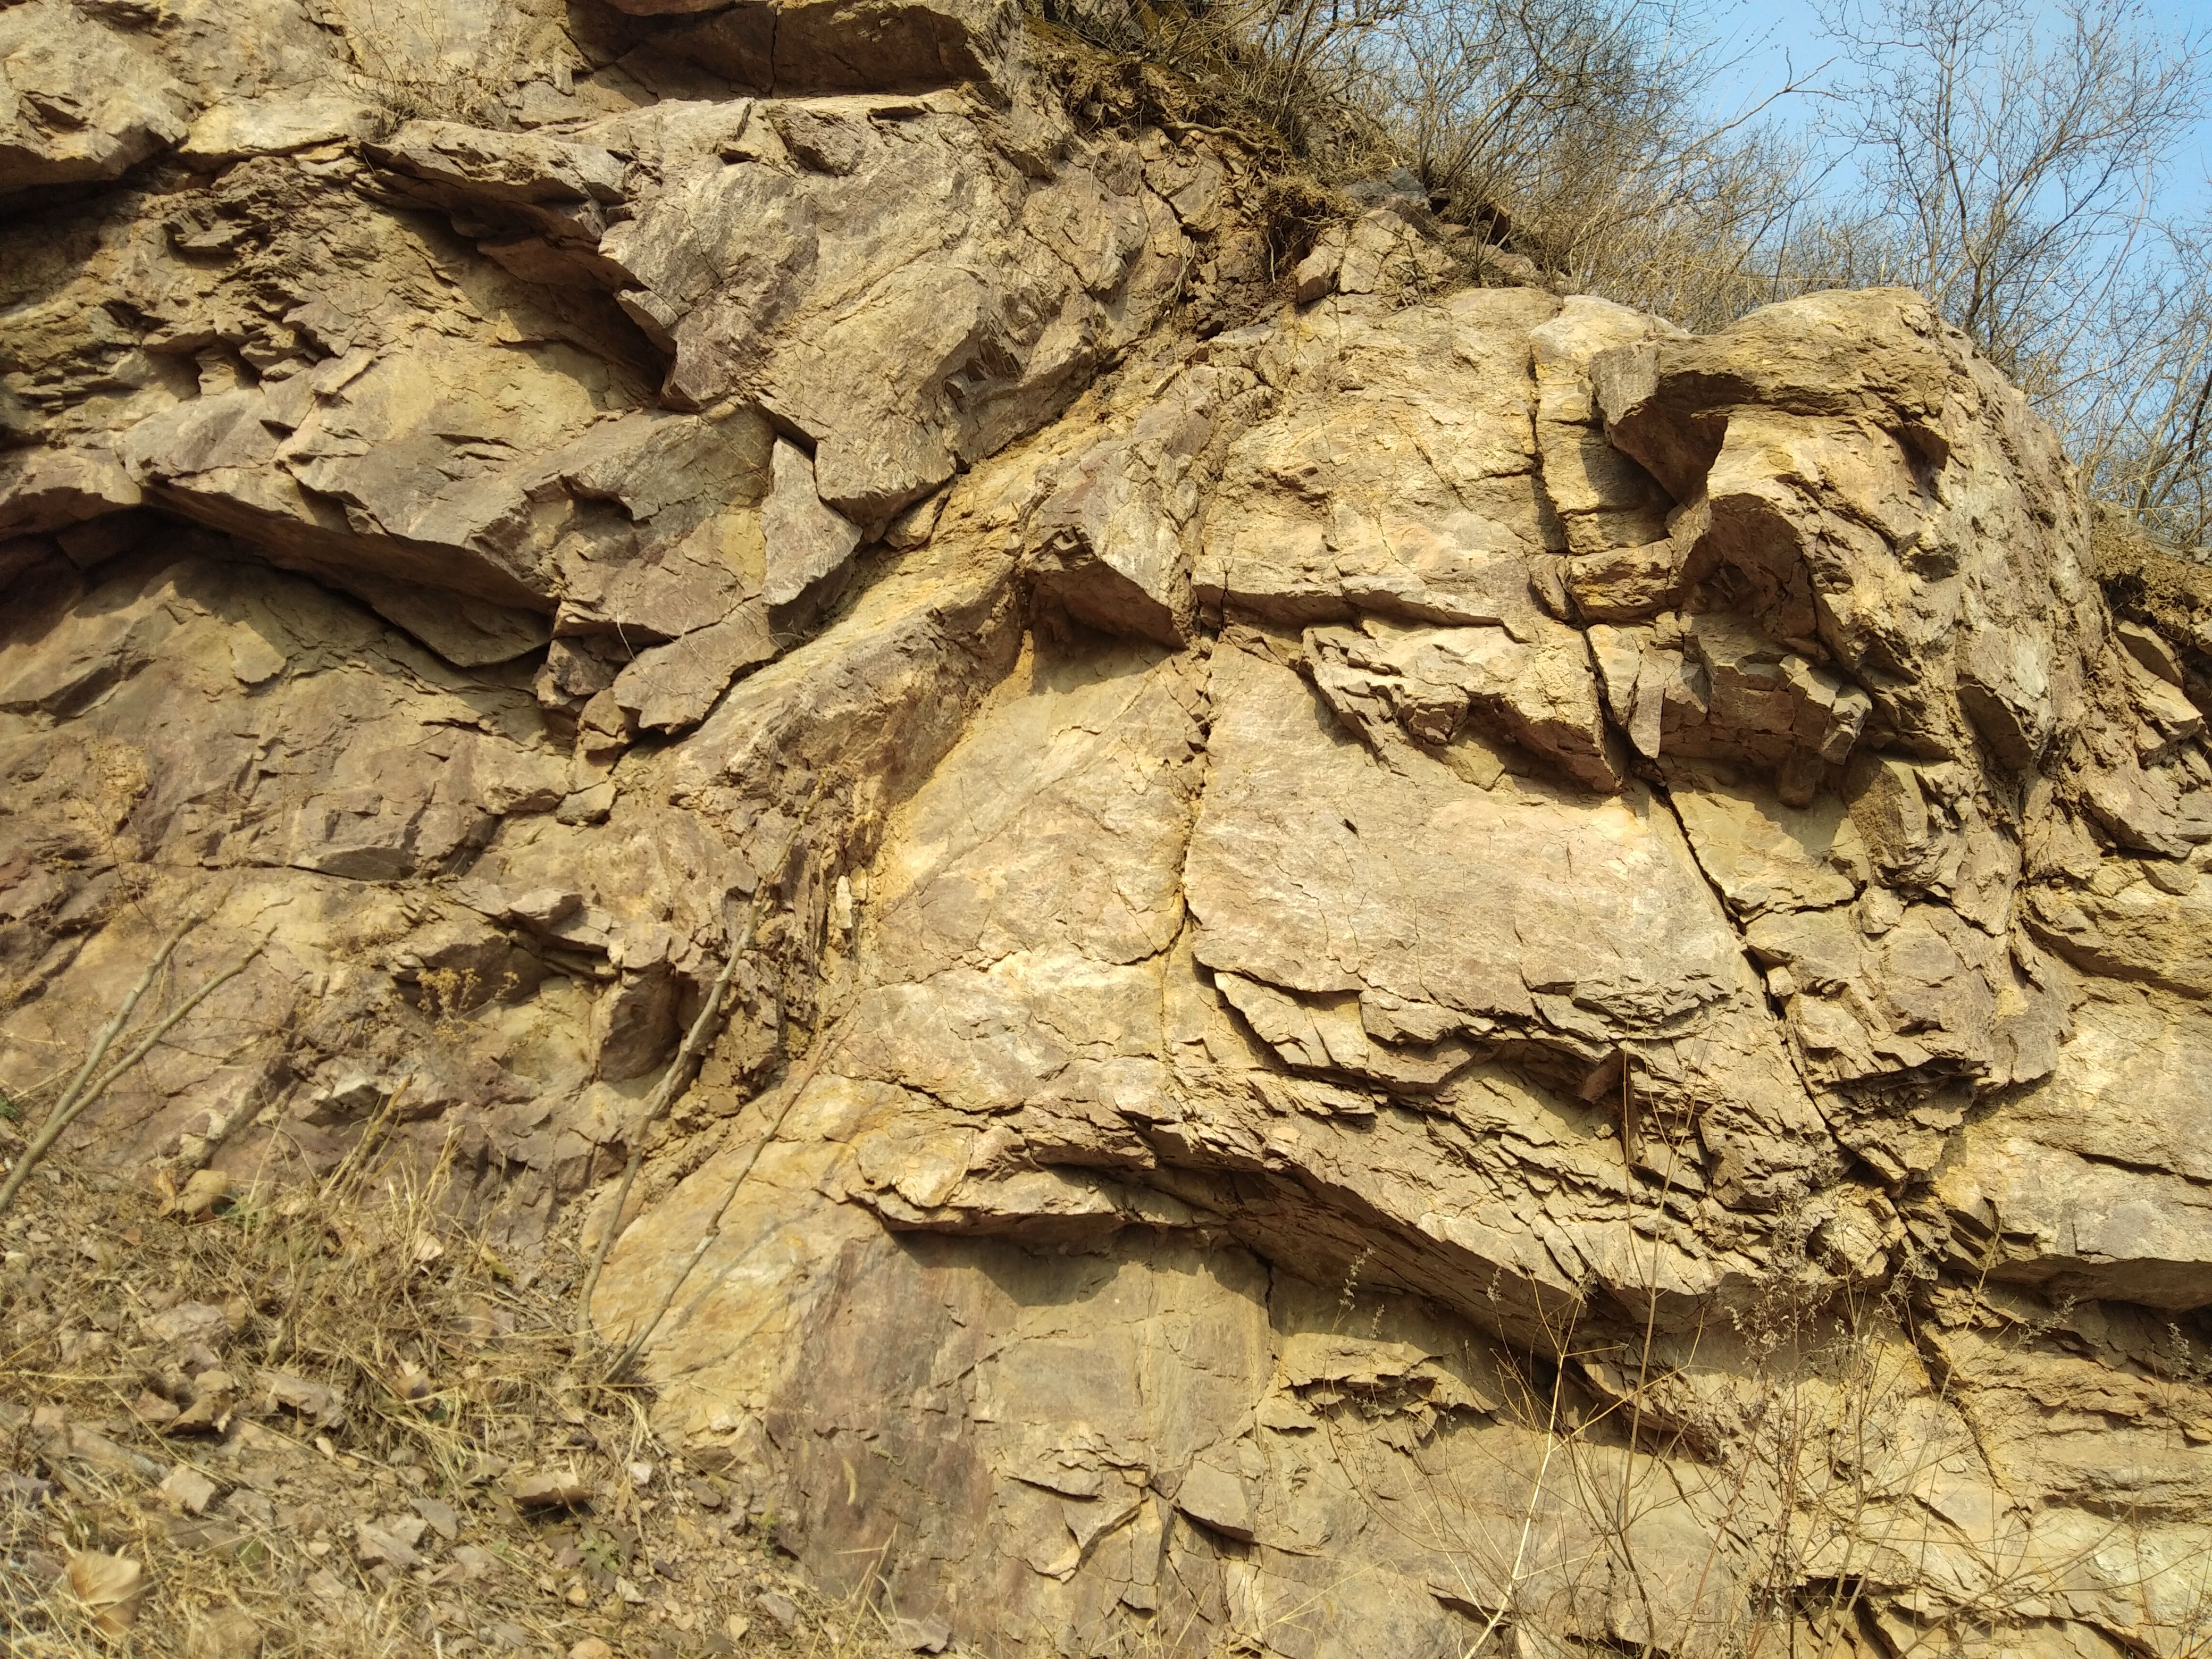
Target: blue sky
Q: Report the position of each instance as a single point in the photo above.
(1770, 38)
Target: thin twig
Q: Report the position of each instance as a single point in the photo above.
(703, 1032)
(356, 1157)
(794, 1085)
(113, 1029)
(1527, 1516)
(74, 1105)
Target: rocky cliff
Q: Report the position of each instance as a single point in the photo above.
(1420, 968)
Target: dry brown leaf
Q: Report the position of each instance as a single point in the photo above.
(110, 1587)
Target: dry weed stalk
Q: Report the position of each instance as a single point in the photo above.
(449, 1372)
(91, 1082)
(1810, 1507)
(713, 1013)
(421, 61)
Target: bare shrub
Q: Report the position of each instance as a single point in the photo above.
(2004, 157)
(1291, 73)
(1578, 131)
(2144, 434)
(430, 60)
(2007, 160)
(2009, 171)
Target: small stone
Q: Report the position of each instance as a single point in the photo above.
(225, 1633)
(206, 1189)
(806, 539)
(550, 1491)
(587, 806)
(440, 1516)
(547, 906)
(591, 1648)
(383, 1544)
(2178, 879)
(209, 1533)
(1880, 910)
(187, 1489)
(2152, 652)
(214, 1392)
(190, 1322)
(1315, 275)
(475, 1562)
(779, 1607)
(323, 1405)
(1216, 1499)
(24, 1490)
(408, 1529)
(920, 1635)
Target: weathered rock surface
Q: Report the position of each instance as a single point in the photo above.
(1430, 971)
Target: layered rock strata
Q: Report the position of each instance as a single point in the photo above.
(1429, 969)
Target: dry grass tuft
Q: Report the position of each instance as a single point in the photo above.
(304, 1417)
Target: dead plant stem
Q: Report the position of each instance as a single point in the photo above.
(80, 1098)
(793, 1086)
(704, 1030)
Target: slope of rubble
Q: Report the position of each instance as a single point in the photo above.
(1396, 965)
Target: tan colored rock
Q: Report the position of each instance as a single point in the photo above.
(1539, 692)
(1315, 274)
(187, 1489)
(1413, 497)
(1112, 542)
(2129, 925)
(739, 261)
(78, 102)
(48, 490)
(671, 687)
(547, 1489)
(805, 540)
(1604, 500)
(837, 45)
(1255, 847)
(2093, 1185)
(1443, 962)
(1772, 422)
(232, 130)
(536, 204)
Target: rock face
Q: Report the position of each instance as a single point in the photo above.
(1430, 971)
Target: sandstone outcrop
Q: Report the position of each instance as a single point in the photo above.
(1429, 969)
